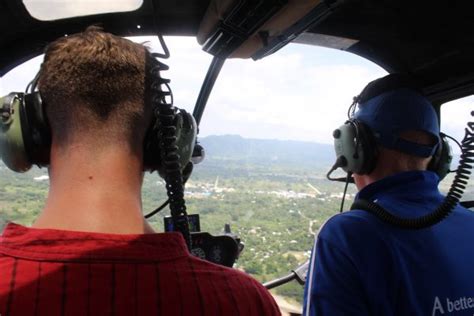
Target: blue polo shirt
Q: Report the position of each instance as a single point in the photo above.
(363, 266)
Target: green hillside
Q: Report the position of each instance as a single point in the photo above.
(274, 194)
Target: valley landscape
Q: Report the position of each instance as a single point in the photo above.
(274, 194)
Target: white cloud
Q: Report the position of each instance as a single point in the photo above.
(18, 78)
(454, 118)
(302, 92)
(284, 97)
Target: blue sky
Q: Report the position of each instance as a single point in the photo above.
(301, 93)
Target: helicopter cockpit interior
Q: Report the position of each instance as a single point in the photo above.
(432, 42)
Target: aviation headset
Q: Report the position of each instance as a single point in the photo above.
(356, 144)
(25, 135)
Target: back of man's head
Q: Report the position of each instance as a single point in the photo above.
(93, 86)
(404, 125)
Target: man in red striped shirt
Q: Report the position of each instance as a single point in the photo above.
(90, 252)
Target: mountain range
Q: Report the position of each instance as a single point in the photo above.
(267, 151)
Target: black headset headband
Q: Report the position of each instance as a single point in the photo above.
(355, 145)
(388, 83)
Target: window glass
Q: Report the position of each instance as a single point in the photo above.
(454, 118)
(267, 132)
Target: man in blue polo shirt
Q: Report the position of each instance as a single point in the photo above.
(362, 265)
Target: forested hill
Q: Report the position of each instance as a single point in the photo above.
(273, 193)
(267, 151)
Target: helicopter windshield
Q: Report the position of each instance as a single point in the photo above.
(267, 131)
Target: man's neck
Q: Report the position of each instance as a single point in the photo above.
(94, 190)
(389, 163)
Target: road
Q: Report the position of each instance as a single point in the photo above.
(311, 223)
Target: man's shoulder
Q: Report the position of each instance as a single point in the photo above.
(240, 287)
(353, 229)
(225, 274)
(361, 228)
(351, 222)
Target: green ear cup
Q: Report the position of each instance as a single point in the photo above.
(345, 140)
(186, 133)
(12, 147)
(186, 137)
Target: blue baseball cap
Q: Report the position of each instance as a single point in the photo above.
(396, 111)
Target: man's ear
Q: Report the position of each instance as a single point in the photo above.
(360, 181)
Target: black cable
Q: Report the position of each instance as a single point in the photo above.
(173, 176)
(453, 139)
(340, 162)
(166, 115)
(456, 141)
(349, 176)
(169, 152)
(451, 200)
(159, 97)
(352, 108)
(158, 209)
(166, 52)
(186, 173)
(31, 87)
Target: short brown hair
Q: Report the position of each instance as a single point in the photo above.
(94, 81)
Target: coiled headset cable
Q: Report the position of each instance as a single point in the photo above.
(165, 115)
(451, 200)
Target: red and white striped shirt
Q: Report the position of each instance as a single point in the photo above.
(46, 272)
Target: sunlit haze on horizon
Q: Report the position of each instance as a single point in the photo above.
(300, 93)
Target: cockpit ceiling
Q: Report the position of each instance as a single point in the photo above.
(22, 36)
(432, 40)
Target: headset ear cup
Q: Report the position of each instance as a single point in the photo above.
(26, 135)
(186, 133)
(12, 145)
(368, 146)
(441, 160)
(354, 143)
(345, 147)
(36, 130)
(186, 136)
